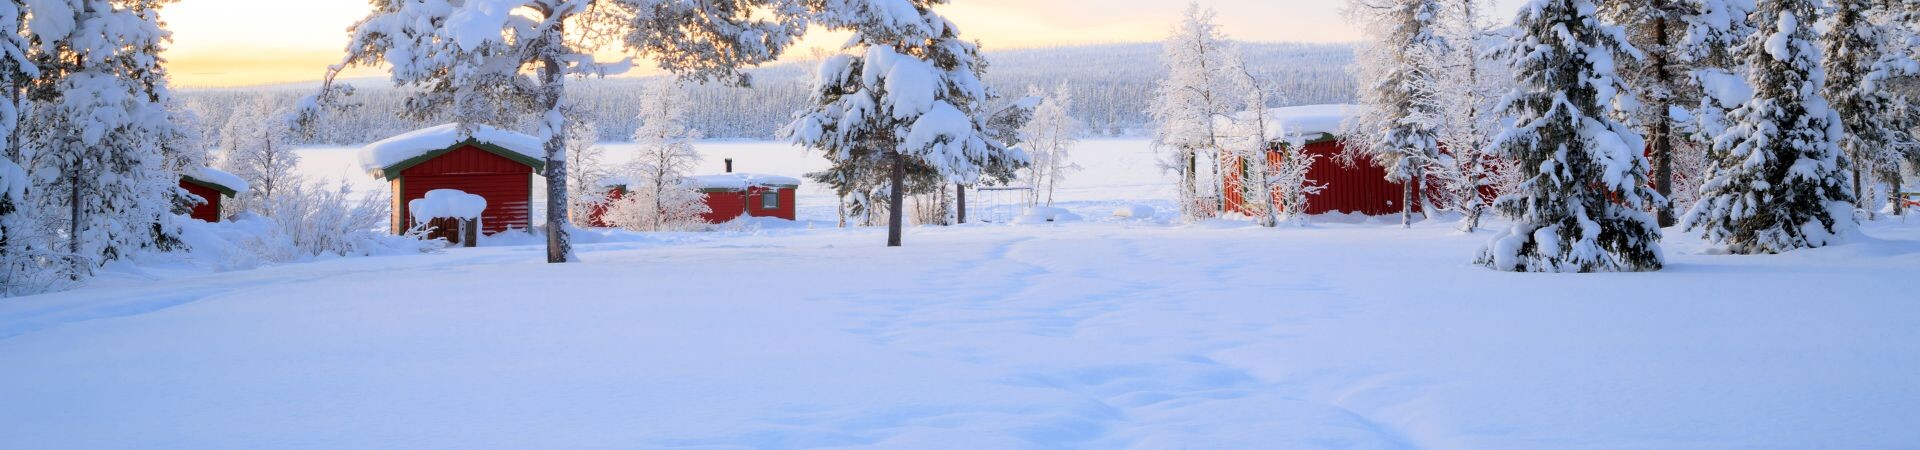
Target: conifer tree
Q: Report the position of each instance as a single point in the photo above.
(1399, 124)
(1583, 200)
(1779, 177)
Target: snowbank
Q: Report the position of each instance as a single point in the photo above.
(446, 203)
(1134, 212)
(221, 178)
(395, 150)
(742, 181)
(1044, 214)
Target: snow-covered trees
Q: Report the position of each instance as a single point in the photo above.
(586, 160)
(1582, 206)
(257, 146)
(1778, 181)
(1466, 91)
(1859, 61)
(91, 129)
(474, 56)
(1189, 103)
(1399, 123)
(907, 94)
(1049, 139)
(1679, 39)
(659, 195)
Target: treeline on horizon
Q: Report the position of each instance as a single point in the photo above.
(1112, 85)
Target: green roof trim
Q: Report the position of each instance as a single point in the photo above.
(393, 171)
(223, 190)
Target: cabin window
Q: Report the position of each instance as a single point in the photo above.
(770, 200)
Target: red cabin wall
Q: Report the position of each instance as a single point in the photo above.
(1362, 188)
(726, 206)
(209, 211)
(506, 184)
(596, 214)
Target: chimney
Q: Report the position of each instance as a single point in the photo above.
(729, 165)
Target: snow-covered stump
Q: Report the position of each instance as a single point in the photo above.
(450, 214)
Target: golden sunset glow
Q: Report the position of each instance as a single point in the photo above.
(253, 42)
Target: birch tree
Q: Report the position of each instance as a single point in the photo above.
(1049, 139)
(1188, 104)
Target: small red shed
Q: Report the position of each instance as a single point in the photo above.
(211, 185)
(495, 164)
(731, 195)
(1360, 188)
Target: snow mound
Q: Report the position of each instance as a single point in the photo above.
(395, 150)
(1310, 122)
(1046, 214)
(1134, 212)
(221, 178)
(447, 203)
(742, 181)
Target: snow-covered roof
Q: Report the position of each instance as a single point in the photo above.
(1310, 122)
(398, 152)
(742, 181)
(220, 180)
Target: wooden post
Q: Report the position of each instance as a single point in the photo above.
(961, 192)
(469, 233)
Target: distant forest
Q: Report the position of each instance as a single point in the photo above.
(1112, 85)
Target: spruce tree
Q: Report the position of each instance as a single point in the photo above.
(1400, 119)
(1583, 200)
(1779, 180)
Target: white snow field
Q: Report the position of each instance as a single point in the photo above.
(1107, 333)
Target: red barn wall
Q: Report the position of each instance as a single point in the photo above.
(1362, 188)
(208, 211)
(507, 185)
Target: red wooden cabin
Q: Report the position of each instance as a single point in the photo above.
(211, 185)
(495, 164)
(730, 196)
(1359, 188)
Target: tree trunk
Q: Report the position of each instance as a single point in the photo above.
(1662, 131)
(1899, 200)
(897, 199)
(1406, 203)
(960, 192)
(1191, 185)
(77, 213)
(553, 84)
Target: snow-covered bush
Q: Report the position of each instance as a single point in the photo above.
(648, 206)
(319, 219)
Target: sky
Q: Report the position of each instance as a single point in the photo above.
(254, 42)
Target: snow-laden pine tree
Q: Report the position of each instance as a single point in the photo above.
(1049, 139)
(658, 183)
(1861, 57)
(473, 58)
(97, 128)
(1679, 38)
(907, 93)
(1466, 90)
(1188, 104)
(1779, 178)
(1584, 202)
(257, 146)
(19, 255)
(1399, 122)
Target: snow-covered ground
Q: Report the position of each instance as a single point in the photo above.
(1102, 334)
